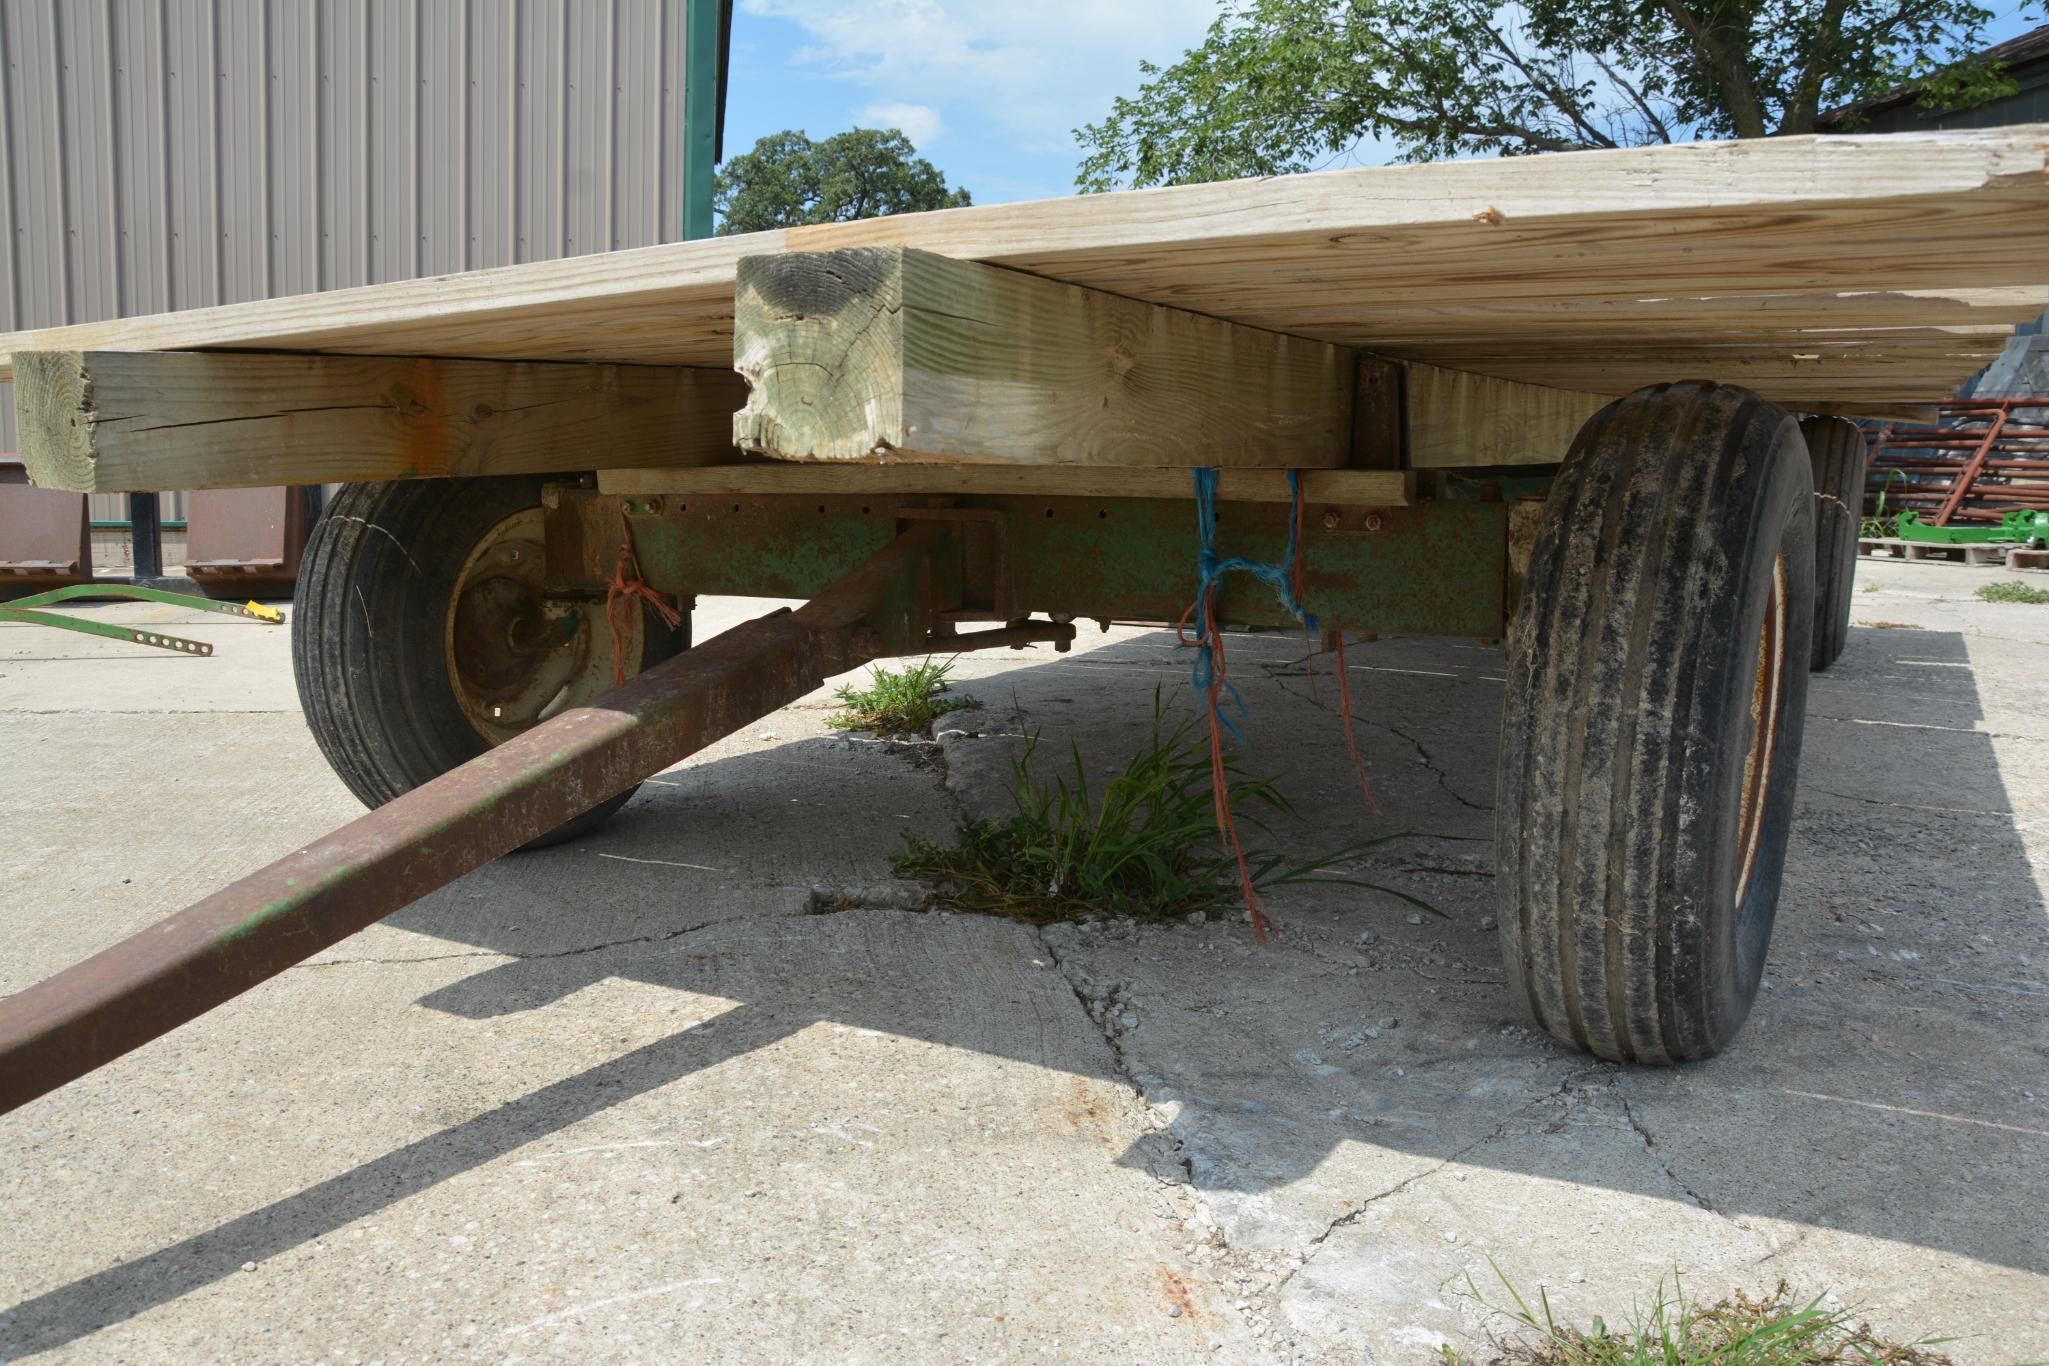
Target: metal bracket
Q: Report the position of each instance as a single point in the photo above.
(986, 560)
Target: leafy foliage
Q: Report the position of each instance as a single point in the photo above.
(1278, 85)
(897, 702)
(2012, 590)
(1146, 848)
(1672, 1330)
(787, 180)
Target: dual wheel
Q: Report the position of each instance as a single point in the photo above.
(1685, 579)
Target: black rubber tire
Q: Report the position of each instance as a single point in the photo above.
(1632, 665)
(367, 638)
(1837, 454)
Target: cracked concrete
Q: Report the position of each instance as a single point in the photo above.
(705, 1084)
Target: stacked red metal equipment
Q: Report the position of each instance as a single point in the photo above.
(1983, 457)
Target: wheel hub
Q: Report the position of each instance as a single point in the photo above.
(516, 653)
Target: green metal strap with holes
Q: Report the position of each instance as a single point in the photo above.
(21, 611)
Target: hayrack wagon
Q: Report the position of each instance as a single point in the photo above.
(1594, 403)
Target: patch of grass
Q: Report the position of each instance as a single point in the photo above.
(899, 701)
(2011, 590)
(1673, 1330)
(1881, 524)
(1145, 847)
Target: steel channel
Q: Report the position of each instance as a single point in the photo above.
(1435, 568)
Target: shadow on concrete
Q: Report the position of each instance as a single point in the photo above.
(1890, 1039)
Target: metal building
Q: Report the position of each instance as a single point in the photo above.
(170, 154)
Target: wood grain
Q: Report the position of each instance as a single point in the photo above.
(892, 354)
(100, 422)
(1459, 419)
(1766, 239)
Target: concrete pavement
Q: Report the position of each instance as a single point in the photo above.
(699, 1087)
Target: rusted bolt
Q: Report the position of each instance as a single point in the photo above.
(1373, 521)
(1331, 520)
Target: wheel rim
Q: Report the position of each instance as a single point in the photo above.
(517, 654)
(1767, 695)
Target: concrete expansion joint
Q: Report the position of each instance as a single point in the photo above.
(662, 938)
(1945, 730)
(1910, 806)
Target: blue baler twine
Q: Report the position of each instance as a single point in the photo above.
(1211, 568)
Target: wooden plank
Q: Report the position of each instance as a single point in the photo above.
(1772, 236)
(1375, 488)
(887, 353)
(108, 421)
(1457, 419)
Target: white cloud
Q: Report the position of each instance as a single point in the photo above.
(919, 122)
(1036, 71)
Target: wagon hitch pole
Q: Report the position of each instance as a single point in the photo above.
(215, 949)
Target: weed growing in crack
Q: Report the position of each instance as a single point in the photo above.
(1673, 1330)
(897, 702)
(1145, 847)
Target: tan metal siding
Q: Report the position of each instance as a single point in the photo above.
(169, 154)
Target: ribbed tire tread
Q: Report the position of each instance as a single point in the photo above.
(1632, 660)
(1837, 452)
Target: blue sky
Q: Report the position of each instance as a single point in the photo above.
(989, 90)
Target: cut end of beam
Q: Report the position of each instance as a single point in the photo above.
(815, 336)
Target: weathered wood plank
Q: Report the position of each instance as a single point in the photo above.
(1767, 239)
(1456, 419)
(110, 421)
(886, 353)
(1375, 488)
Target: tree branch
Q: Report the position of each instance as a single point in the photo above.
(1559, 100)
(1806, 102)
(1636, 97)
(1731, 75)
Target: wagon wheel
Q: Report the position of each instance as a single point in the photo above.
(425, 633)
(1836, 450)
(1657, 681)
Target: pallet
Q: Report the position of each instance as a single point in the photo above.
(1898, 549)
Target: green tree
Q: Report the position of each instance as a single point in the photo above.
(786, 180)
(1279, 85)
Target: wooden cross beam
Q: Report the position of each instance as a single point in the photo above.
(889, 353)
(111, 421)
